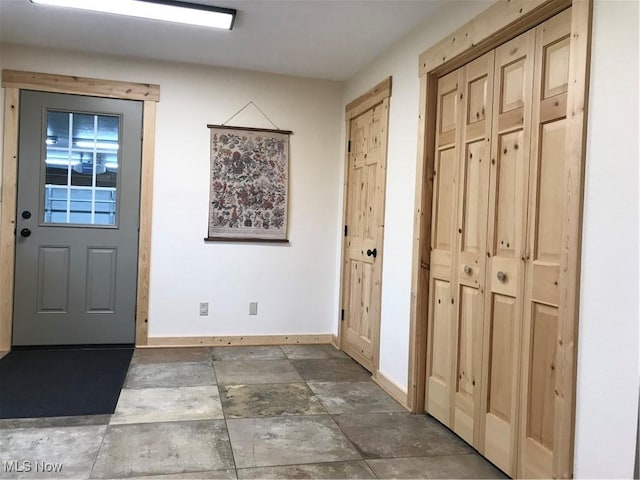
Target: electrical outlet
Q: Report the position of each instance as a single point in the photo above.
(253, 308)
(204, 309)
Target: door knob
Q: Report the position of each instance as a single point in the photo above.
(25, 232)
(502, 276)
(372, 253)
(26, 214)
(467, 269)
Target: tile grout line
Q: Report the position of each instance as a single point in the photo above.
(104, 436)
(309, 463)
(106, 429)
(306, 383)
(224, 419)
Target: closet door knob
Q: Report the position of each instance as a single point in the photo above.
(502, 276)
(467, 269)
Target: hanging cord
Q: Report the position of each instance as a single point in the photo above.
(258, 108)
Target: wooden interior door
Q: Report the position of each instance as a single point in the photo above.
(541, 334)
(364, 233)
(473, 198)
(506, 242)
(441, 312)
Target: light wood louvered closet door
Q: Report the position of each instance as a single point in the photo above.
(496, 235)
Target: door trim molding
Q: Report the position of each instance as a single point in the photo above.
(146, 210)
(96, 87)
(372, 97)
(369, 99)
(501, 22)
(13, 81)
(8, 219)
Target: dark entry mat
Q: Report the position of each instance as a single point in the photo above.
(62, 382)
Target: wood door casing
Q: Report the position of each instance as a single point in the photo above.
(542, 342)
(440, 332)
(362, 270)
(473, 197)
(13, 82)
(513, 83)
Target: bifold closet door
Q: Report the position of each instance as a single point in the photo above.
(440, 359)
(495, 335)
(506, 245)
(440, 331)
(471, 237)
(541, 328)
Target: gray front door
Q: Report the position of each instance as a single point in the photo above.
(77, 220)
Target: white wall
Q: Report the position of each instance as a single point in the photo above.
(607, 390)
(293, 284)
(607, 384)
(401, 62)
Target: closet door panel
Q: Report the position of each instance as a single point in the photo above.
(499, 402)
(505, 252)
(440, 332)
(503, 311)
(445, 201)
(473, 199)
(441, 352)
(541, 339)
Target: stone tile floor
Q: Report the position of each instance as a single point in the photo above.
(296, 411)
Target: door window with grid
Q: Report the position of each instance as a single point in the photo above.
(81, 169)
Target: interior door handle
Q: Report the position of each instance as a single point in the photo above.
(25, 232)
(372, 253)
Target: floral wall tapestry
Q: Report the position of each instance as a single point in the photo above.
(249, 184)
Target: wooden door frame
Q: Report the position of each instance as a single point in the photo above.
(13, 82)
(498, 24)
(366, 101)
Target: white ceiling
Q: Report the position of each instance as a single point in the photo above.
(329, 39)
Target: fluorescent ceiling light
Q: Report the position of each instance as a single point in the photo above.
(165, 10)
(98, 145)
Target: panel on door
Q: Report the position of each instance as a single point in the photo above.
(541, 336)
(508, 181)
(440, 331)
(364, 235)
(77, 220)
(473, 199)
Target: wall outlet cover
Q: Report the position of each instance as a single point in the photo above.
(204, 308)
